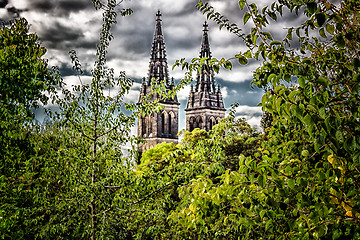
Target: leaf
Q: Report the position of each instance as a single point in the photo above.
(322, 112)
(271, 77)
(260, 180)
(302, 81)
(246, 17)
(291, 183)
(292, 95)
(267, 35)
(322, 32)
(330, 28)
(242, 4)
(305, 153)
(254, 38)
(249, 213)
(272, 15)
(228, 65)
(289, 34)
(339, 136)
(242, 60)
(278, 103)
(323, 81)
(248, 54)
(262, 213)
(308, 120)
(216, 68)
(340, 41)
(320, 18)
(275, 43)
(312, 7)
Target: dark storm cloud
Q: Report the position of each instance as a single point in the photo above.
(67, 70)
(42, 6)
(83, 43)
(14, 12)
(75, 6)
(60, 8)
(57, 34)
(3, 3)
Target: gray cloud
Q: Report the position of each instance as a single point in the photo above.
(58, 33)
(14, 12)
(68, 24)
(3, 3)
(59, 7)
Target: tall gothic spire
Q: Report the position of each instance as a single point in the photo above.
(205, 79)
(205, 105)
(205, 46)
(205, 94)
(158, 68)
(159, 126)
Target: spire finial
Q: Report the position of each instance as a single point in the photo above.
(205, 25)
(158, 15)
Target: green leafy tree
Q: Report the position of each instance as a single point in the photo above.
(25, 81)
(304, 182)
(169, 172)
(25, 77)
(93, 203)
(156, 156)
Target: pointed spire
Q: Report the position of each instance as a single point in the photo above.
(205, 94)
(205, 78)
(158, 30)
(158, 68)
(205, 46)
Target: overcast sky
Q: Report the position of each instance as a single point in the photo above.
(63, 25)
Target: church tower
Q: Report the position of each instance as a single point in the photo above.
(162, 126)
(205, 104)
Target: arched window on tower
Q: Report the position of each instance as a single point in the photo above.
(150, 125)
(199, 122)
(191, 124)
(143, 127)
(212, 122)
(217, 120)
(163, 123)
(169, 124)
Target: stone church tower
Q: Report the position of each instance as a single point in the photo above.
(205, 104)
(162, 126)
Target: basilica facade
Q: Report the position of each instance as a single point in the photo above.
(205, 105)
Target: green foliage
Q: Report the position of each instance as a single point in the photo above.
(167, 170)
(95, 199)
(303, 182)
(24, 75)
(24, 82)
(156, 156)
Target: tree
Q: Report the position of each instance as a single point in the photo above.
(94, 166)
(25, 77)
(304, 182)
(25, 81)
(169, 172)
